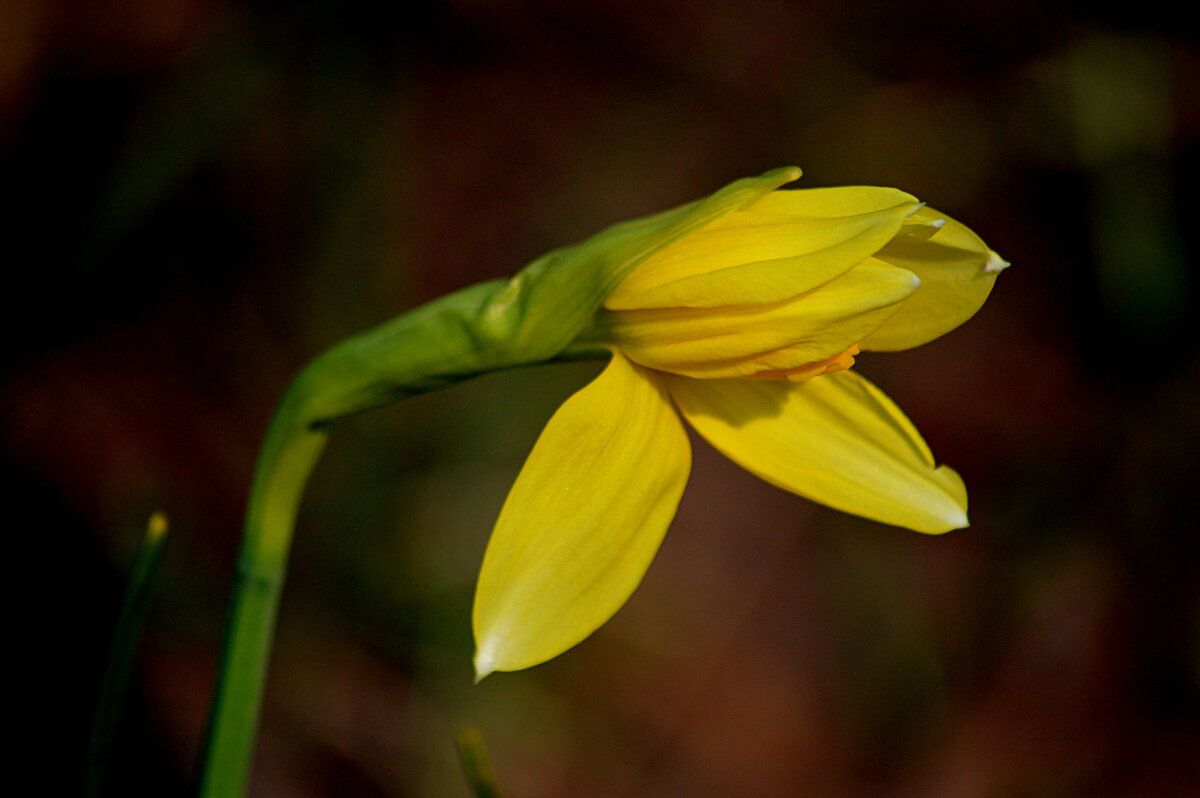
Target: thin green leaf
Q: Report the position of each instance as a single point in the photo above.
(125, 642)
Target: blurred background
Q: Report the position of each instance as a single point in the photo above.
(207, 193)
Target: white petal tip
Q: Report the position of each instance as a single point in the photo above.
(995, 264)
(483, 668)
(915, 209)
(954, 518)
(938, 224)
(485, 658)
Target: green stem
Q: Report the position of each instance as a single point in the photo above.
(288, 456)
(436, 345)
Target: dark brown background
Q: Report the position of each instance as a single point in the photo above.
(201, 195)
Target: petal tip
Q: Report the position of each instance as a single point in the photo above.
(956, 520)
(995, 264)
(484, 666)
(932, 515)
(950, 516)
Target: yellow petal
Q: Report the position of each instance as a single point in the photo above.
(836, 439)
(784, 244)
(957, 272)
(830, 203)
(735, 341)
(583, 520)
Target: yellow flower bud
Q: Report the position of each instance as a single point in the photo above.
(796, 279)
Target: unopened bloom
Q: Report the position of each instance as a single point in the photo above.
(747, 328)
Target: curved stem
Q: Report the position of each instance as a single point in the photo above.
(433, 346)
(288, 455)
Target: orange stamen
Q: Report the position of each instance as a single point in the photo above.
(809, 370)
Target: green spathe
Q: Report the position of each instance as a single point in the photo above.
(542, 313)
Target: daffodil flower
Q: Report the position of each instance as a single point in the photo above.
(745, 328)
(740, 313)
